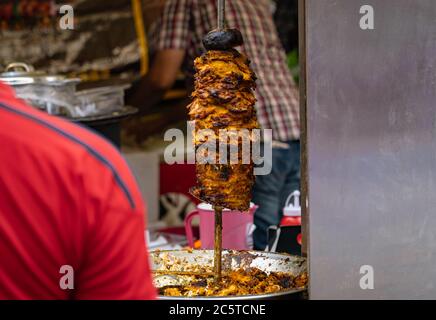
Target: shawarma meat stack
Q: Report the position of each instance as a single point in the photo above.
(223, 99)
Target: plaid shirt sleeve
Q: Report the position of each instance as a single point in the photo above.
(172, 31)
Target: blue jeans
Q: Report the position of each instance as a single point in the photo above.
(270, 191)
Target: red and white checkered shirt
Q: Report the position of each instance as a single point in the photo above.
(183, 26)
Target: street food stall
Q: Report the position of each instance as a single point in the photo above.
(364, 227)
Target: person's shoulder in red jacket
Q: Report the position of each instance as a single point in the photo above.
(67, 198)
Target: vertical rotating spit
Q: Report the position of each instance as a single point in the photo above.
(220, 43)
(219, 210)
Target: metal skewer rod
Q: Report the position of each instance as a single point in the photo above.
(221, 14)
(218, 243)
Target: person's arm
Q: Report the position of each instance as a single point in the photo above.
(169, 43)
(159, 79)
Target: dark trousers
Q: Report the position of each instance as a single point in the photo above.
(270, 191)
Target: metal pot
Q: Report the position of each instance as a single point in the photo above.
(54, 94)
(265, 261)
(20, 73)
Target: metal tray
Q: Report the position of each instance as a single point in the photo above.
(265, 261)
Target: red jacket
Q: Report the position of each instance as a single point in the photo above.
(67, 198)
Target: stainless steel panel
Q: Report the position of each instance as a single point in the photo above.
(371, 121)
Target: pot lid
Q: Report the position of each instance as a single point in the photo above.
(19, 73)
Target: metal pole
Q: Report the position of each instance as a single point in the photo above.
(219, 210)
(218, 242)
(221, 14)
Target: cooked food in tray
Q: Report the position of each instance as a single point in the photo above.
(237, 283)
(244, 273)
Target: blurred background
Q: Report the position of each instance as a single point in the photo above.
(108, 50)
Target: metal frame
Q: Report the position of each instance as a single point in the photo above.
(368, 160)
